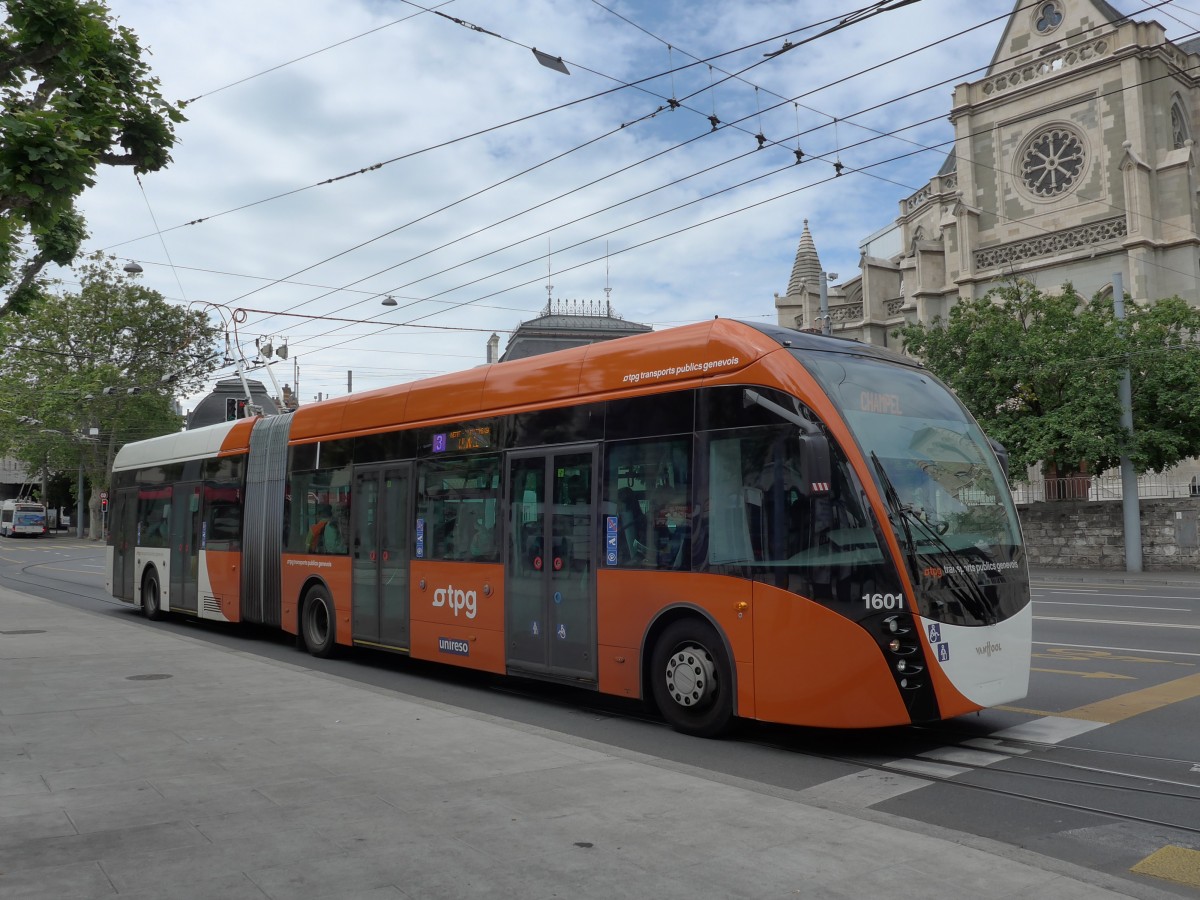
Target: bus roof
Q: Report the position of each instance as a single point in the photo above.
(178, 446)
(670, 359)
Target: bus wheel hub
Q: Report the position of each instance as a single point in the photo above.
(690, 675)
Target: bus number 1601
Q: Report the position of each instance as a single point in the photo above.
(884, 601)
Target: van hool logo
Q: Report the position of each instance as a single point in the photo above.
(456, 600)
(988, 649)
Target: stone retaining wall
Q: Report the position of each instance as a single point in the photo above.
(1091, 534)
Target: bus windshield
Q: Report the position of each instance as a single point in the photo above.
(946, 492)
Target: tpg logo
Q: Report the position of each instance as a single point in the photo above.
(456, 600)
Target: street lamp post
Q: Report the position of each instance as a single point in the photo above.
(826, 323)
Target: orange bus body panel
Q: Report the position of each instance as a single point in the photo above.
(819, 668)
(458, 395)
(539, 379)
(442, 609)
(364, 411)
(628, 602)
(709, 348)
(334, 571)
(225, 577)
(238, 439)
(670, 360)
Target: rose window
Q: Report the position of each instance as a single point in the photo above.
(1052, 162)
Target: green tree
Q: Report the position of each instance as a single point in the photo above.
(83, 374)
(75, 93)
(1041, 371)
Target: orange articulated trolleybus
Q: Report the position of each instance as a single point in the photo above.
(726, 519)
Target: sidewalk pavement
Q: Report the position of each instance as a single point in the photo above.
(141, 763)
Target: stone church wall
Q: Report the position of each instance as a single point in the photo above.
(1091, 534)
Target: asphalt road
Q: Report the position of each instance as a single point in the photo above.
(1099, 765)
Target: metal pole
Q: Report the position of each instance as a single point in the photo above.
(1130, 506)
(825, 324)
(79, 500)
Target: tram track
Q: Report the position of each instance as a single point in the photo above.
(896, 764)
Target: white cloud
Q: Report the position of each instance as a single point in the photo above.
(427, 81)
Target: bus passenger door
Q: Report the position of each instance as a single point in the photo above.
(550, 563)
(185, 546)
(124, 529)
(380, 542)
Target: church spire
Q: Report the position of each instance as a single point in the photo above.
(807, 267)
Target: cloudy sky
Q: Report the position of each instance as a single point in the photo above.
(340, 151)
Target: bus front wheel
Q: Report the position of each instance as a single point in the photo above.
(317, 623)
(151, 597)
(692, 680)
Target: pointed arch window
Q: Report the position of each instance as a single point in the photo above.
(1180, 131)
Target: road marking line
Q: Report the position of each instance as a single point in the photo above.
(997, 745)
(1114, 622)
(964, 756)
(864, 789)
(1171, 863)
(1024, 710)
(922, 767)
(1125, 706)
(1117, 606)
(1053, 729)
(1084, 674)
(1122, 649)
(1077, 654)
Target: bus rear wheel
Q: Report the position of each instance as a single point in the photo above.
(692, 681)
(317, 623)
(151, 597)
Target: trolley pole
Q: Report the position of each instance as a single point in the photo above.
(1130, 506)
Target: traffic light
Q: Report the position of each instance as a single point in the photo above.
(235, 408)
(103, 504)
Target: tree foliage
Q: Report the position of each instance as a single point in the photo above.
(110, 359)
(1041, 372)
(75, 93)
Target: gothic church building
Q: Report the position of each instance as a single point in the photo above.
(1073, 160)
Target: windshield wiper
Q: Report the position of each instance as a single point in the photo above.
(897, 510)
(979, 599)
(974, 598)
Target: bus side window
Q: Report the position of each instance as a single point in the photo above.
(648, 485)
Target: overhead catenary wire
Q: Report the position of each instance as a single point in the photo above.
(732, 124)
(305, 56)
(621, 85)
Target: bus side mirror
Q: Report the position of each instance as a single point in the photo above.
(1001, 455)
(815, 463)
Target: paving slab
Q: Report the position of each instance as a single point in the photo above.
(231, 775)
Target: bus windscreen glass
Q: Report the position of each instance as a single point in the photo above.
(951, 505)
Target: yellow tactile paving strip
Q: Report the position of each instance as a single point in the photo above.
(1171, 863)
